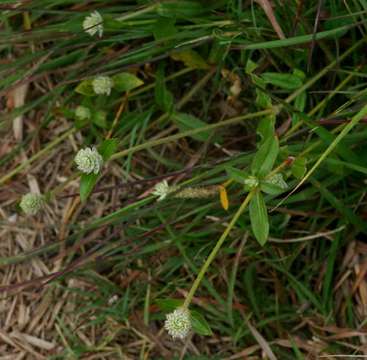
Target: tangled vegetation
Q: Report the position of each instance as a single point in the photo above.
(183, 179)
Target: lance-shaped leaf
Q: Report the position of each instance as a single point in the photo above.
(259, 218)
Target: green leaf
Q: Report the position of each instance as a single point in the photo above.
(99, 119)
(108, 148)
(263, 100)
(164, 28)
(236, 175)
(265, 157)
(284, 81)
(199, 324)
(126, 82)
(299, 168)
(190, 58)
(217, 52)
(187, 122)
(299, 104)
(259, 218)
(251, 66)
(85, 88)
(299, 73)
(274, 185)
(169, 305)
(87, 183)
(266, 127)
(163, 97)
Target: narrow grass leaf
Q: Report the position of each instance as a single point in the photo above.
(355, 120)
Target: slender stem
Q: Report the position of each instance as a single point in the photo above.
(215, 250)
(45, 150)
(228, 122)
(137, 13)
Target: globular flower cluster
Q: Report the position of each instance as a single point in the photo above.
(89, 160)
(82, 113)
(31, 203)
(162, 189)
(178, 323)
(102, 85)
(251, 182)
(93, 24)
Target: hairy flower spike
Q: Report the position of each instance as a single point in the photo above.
(31, 203)
(178, 323)
(197, 192)
(89, 160)
(162, 190)
(102, 85)
(82, 113)
(93, 24)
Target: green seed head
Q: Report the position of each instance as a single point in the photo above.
(31, 203)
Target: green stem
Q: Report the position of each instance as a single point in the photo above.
(231, 121)
(215, 250)
(138, 13)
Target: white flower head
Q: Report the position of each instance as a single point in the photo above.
(161, 190)
(89, 160)
(31, 203)
(102, 85)
(93, 24)
(178, 323)
(82, 113)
